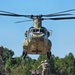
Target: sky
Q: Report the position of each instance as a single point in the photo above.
(63, 32)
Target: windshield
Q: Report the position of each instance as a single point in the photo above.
(42, 30)
(39, 30)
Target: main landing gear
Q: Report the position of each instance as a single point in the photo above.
(24, 54)
(48, 55)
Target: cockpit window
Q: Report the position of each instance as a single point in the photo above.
(41, 30)
(37, 30)
(34, 30)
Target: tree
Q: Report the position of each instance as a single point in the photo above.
(70, 64)
(19, 66)
(7, 54)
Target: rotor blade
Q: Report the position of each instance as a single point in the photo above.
(23, 21)
(59, 18)
(6, 12)
(15, 15)
(63, 11)
(53, 15)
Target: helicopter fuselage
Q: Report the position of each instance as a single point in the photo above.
(37, 46)
(37, 41)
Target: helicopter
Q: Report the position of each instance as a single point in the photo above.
(37, 37)
(37, 41)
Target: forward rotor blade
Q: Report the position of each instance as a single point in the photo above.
(53, 15)
(23, 21)
(5, 13)
(59, 18)
(15, 15)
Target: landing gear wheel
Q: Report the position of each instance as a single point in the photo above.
(24, 54)
(48, 55)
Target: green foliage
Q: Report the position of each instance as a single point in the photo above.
(19, 66)
(7, 54)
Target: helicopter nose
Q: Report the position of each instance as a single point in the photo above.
(37, 35)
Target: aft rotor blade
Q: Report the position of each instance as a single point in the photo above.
(23, 21)
(63, 11)
(6, 12)
(14, 15)
(59, 18)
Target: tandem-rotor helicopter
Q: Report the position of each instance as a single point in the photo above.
(36, 37)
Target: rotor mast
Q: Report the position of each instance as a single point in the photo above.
(37, 22)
